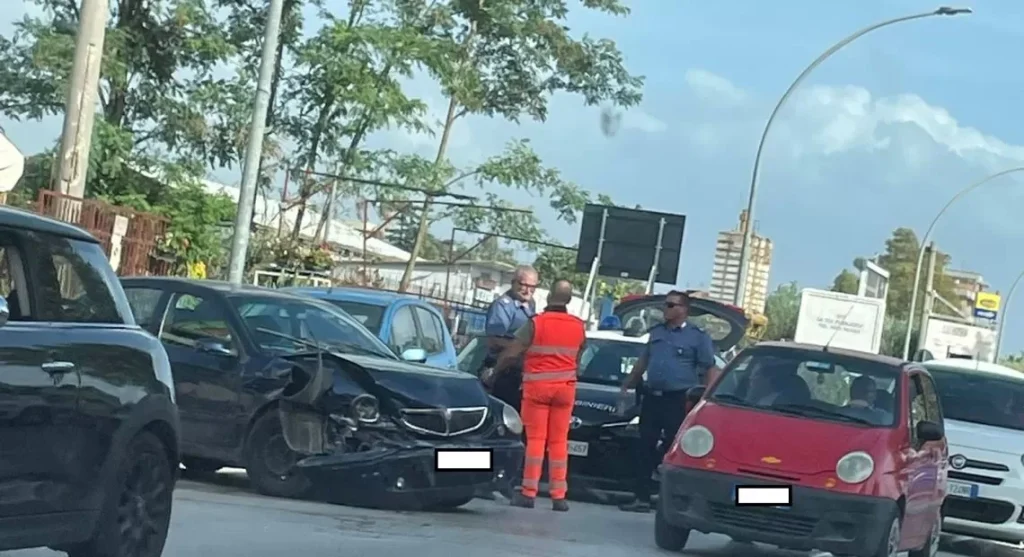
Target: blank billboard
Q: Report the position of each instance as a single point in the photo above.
(630, 242)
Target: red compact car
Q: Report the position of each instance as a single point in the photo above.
(804, 448)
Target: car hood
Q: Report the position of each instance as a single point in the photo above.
(779, 443)
(596, 404)
(726, 324)
(420, 386)
(405, 384)
(984, 438)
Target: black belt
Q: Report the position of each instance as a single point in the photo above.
(654, 392)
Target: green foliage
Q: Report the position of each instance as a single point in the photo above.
(900, 259)
(846, 282)
(506, 59)
(1015, 361)
(782, 308)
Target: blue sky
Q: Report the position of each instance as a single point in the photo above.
(880, 136)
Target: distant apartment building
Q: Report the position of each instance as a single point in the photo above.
(966, 285)
(725, 275)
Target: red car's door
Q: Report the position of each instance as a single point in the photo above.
(921, 470)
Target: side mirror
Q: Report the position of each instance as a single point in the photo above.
(417, 355)
(213, 346)
(929, 431)
(694, 394)
(5, 311)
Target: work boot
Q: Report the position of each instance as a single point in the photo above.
(636, 506)
(560, 505)
(520, 500)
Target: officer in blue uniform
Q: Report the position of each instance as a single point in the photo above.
(507, 314)
(679, 356)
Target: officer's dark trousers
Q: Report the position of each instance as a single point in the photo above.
(660, 418)
(508, 388)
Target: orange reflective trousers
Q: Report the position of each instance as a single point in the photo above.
(547, 411)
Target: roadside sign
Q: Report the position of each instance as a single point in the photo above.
(986, 305)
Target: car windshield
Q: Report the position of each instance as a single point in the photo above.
(369, 315)
(812, 384)
(979, 397)
(290, 325)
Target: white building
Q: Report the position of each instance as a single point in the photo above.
(726, 271)
(344, 238)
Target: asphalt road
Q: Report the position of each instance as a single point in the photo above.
(222, 517)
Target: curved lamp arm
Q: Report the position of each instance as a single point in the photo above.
(741, 286)
(1006, 305)
(924, 247)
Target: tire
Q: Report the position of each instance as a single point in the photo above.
(137, 511)
(269, 460)
(931, 547)
(667, 536)
(889, 546)
(200, 465)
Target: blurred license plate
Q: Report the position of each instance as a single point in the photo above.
(579, 448)
(959, 489)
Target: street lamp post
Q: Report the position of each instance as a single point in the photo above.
(748, 233)
(1006, 306)
(924, 246)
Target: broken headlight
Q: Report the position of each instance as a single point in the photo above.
(510, 418)
(365, 409)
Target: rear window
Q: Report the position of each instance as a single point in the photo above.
(812, 384)
(980, 398)
(608, 361)
(369, 315)
(641, 318)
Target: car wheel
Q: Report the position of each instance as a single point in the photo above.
(137, 512)
(931, 547)
(269, 461)
(891, 542)
(667, 536)
(200, 465)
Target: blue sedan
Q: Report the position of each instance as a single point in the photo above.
(403, 322)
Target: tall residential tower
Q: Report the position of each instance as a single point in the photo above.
(726, 272)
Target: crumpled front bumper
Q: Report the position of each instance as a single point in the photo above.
(404, 473)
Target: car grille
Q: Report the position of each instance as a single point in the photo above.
(988, 511)
(976, 478)
(444, 422)
(764, 519)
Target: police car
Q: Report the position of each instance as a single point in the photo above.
(603, 442)
(983, 407)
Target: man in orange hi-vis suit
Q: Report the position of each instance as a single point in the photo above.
(551, 341)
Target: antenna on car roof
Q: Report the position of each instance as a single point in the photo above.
(838, 326)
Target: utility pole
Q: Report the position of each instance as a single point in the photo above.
(254, 150)
(72, 163)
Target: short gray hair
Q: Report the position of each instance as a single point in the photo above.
(523, 270)
(561, 293)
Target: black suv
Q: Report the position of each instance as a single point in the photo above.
(88, 424)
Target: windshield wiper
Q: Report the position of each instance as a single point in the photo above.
(353, 347)
(725, 397)
(305, 342)
(808, 411)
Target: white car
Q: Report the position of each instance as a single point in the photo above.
(983, 406)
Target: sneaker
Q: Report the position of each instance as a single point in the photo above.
(560, 505)
(520, 500)
(637, 506)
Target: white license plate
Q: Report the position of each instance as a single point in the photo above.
(959, 489)
(579, 448)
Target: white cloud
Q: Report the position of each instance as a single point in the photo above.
(823, 120)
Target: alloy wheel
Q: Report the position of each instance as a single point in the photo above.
(144, 506)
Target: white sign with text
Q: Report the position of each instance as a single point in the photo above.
(840, 320)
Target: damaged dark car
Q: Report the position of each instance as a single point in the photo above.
(311, 404)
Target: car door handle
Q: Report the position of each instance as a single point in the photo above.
(57, 367)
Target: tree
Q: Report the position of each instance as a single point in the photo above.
(782, 308)
(157, 130)
(900, 259)
(506, 59)
(846, 282)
